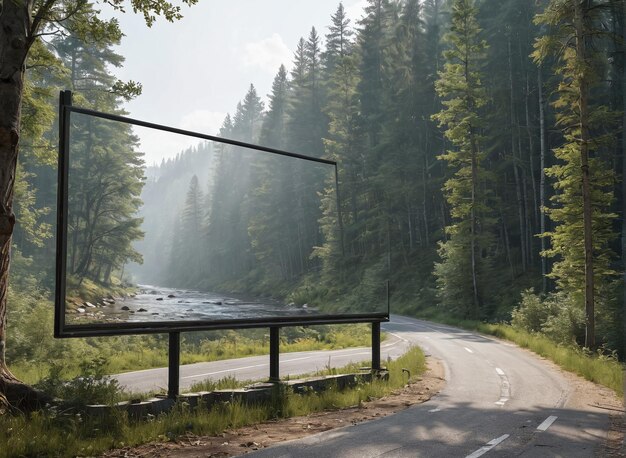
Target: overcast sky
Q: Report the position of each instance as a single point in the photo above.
(195, 70)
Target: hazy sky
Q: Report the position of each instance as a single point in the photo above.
(195, 70)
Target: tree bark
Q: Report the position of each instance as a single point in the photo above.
(583, 107)
(518, 189)
(623, 139)
(542, 181)
(15, 41)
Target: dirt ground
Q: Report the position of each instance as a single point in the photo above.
(243, 440)
(238, 442)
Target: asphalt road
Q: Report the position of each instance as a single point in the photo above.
(257, 367)
(498, 401)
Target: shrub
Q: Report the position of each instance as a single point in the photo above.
(558, 316)
(93, 387)
(532, 312)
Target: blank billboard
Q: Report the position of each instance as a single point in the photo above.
(223, 234)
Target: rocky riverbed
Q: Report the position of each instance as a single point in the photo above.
(154, 303)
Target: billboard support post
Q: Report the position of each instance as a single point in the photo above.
(173, 372)
(376, 346)
(274, 354)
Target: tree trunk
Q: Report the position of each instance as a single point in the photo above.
(474, 159)
(623, 138)
(15, 23)
(518, 189)
(583, 120)
(542, 182)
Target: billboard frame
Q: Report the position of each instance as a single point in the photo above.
(64, 330)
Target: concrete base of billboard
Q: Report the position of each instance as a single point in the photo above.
(257, 393)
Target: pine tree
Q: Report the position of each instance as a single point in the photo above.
(185, 255)
(373, 39)
(339, 42)
(307, 124)
(583, 179)
(343, 144)
(273, 132)
(229, 256)
(106, 169)
(465, 254)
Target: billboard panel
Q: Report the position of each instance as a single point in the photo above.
(225, 234)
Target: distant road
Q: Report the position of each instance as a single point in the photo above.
(257, 367)
(499, 401)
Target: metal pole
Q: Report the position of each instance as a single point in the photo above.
(376, 346)
(65, 101)
(274, 354)
(173, 380)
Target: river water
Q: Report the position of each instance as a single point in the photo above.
(156, 303)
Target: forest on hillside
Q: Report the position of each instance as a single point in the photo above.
(480, 158)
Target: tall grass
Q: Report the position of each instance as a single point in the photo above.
(593, 367)
(596, 368)
(55, 433)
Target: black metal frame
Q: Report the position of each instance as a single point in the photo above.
(62, 330)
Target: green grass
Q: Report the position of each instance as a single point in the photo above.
(595, 368)
(143, 354)
(62, 434)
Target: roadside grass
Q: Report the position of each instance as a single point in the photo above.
(218, 350)
(56, 433)
(140, 354)
(596, 368)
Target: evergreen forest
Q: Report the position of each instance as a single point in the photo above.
(480, 163)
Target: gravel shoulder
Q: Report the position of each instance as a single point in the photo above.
(243, 440)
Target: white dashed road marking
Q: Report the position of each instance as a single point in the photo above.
(547, 423)
(505, 388)
(491, 444)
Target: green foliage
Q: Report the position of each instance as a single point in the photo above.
(582, 168)
(93, 386)
(466, 253)
(532, 312)
(556, 316)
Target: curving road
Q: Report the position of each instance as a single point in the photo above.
(498, 401)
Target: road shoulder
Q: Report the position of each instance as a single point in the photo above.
(243, 440)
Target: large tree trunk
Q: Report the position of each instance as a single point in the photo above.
(518, 185)
(15, 24)
(623, 141)
(583, 107)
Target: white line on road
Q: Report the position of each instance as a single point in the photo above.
(267, 364)
(225, 370)
(505, 388)
(397, 336)
(434, 410)
(547, 423)
(468, 350)
(491, 444)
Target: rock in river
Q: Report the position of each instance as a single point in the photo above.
(142, 310)
(126, 308)
(159, 298)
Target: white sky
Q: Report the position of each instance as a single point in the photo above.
(195, 70)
